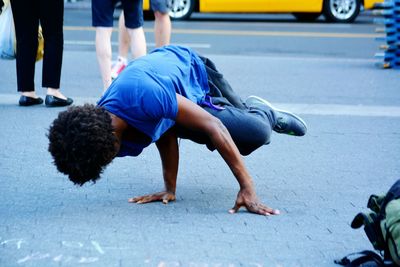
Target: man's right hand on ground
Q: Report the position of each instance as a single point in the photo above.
(163, 196)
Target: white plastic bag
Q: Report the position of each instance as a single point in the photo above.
(7, 34)
(4, 4)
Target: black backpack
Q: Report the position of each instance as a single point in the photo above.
(382, 226)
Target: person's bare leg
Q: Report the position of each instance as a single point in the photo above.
(133, 37)
(55, 92)
(50, 91)
(104, 53)
(29, 94)
(138, 42)
(162, 28)
(123, 38)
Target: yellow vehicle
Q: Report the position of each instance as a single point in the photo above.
(307, 10)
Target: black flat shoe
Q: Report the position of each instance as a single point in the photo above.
(29, 101)
(53, 101)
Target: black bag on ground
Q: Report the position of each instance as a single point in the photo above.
(382, 227)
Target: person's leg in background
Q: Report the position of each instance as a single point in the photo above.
(131, 34)
(162, 22)
(51, 20)
(102, 20)
(133, 14)
(162, 35)
(26, 21)
(162, 28)
(123, 48)
(104, 53)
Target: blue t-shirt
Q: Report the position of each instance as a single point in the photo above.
(144, 94)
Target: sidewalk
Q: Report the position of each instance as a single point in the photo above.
(319, 182)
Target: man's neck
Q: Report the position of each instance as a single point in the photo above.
(119, 125)
(123, 131)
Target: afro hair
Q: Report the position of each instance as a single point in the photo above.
(82, 142)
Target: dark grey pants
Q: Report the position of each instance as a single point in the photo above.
(250, 127)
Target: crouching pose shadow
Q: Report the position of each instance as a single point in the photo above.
(169, 94)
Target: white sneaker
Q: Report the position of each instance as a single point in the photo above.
(118, 67)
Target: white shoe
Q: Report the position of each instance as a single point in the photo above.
(118, 67)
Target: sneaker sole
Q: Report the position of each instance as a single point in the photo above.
(279, 110)
(115, 73)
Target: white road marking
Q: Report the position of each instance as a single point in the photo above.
(97, 247)
(298, 108)
(92, 43)
(249, 33)
(341, 110)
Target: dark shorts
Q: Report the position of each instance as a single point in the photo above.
(103, 10)
(160, 6)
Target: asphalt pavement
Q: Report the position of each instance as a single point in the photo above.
(319, 181)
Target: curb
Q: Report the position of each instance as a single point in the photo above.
(78, 4)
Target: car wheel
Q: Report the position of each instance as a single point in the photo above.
(181, 9)
(341, 10)
(306, 16)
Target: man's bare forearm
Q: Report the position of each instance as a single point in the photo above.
(169, 153)
(194, 117)
(226, 147)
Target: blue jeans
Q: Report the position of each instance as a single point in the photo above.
(250, 127)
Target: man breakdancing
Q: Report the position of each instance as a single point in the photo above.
(169, 94)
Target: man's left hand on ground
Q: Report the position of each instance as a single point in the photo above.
(252, 204)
